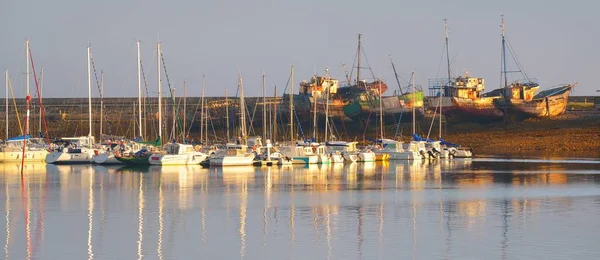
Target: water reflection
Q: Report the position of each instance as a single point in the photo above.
(431, 209)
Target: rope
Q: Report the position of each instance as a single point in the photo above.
(398, 125)
(39, 96)
(177, 120)
(15, 104)
(148, 96)
(103, 106)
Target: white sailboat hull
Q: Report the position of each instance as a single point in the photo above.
(65, 157)
(17, 156)
(232, 160)
(404, 156)
(106, 158)
(177, 159)
(336, 158)
(323, 159)
(366, 157)
(348, 157)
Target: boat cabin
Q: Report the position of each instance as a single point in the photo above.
(391, 145)
(235, 149)
(341, 146)
(177, 148)
(414, 146)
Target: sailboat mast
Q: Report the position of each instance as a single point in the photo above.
(202, 111)
(183, 133)
(314, 99)
(101, 101)
(381, 112)
(28, 97)
(227, 114)
(264, 99)
(292, 107)
(358, 61)
(327, 108)
(449, 77)
(41, 89)
(139, 62)
(447, 49)
(133, 118)
(89, 91)
(6, 103)
(504, 55)
(274, 122)
(242, 110)
(158, 53)
(413, 107)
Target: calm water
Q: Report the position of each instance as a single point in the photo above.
(464, 209)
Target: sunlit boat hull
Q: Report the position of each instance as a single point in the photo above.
(17, 156)
(232, 160)
(84, 156)
(177, 159)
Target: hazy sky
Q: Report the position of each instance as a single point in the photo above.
(555, 41)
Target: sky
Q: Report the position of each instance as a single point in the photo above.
(554, 41)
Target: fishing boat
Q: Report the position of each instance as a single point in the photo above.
(547, 103)
(396, 108)
(349, 101)
(462, 98)
(519, 99)
(236, 154)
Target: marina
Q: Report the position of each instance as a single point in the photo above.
(299, 130)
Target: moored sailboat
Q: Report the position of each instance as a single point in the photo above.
(76, 149)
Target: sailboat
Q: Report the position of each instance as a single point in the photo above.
(176, 153)
(22, 148)
(397, 150)
(295, 153)
(142, 156)
(76, 149)
(519, 100)
(236, 154)
(462, 98)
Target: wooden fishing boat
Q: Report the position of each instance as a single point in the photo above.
(547, 103)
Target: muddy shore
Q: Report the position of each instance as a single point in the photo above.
(576, 134)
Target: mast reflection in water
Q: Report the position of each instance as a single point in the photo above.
(430, 209)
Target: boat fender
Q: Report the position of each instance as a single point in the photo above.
(95, 152)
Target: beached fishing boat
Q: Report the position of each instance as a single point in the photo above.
(547, 103)
(519, 99)
(346, 102)
(396, 108)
